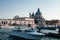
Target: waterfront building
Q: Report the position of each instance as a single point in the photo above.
(20, 21)
(25, 20)
(52, 23)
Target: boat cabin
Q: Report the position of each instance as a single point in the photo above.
(25, 30)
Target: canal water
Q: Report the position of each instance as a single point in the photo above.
(5, 36)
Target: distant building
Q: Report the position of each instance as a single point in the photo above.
(38, 17)
(22, 21)
(52, 23)
(25, 20)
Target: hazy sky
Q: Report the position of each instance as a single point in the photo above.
(50, 9)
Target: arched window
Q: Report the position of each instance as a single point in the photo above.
(6, 22)
(2, 22)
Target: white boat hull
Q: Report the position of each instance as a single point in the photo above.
(27, 35)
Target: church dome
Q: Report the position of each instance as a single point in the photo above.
(38, 12)
(16, 17)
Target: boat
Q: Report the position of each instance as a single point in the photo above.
(51, 31)
(27, 34)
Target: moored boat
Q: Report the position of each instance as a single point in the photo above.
(27, 34)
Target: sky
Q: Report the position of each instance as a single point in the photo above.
(50, 9)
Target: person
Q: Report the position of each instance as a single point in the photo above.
(31, 30)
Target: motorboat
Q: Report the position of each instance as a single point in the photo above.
(50, 31)
(27, 34)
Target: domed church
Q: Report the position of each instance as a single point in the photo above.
(39, 19)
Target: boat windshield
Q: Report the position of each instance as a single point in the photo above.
(30, 30)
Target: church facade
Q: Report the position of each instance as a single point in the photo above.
(39, 19)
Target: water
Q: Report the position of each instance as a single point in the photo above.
(5, 36)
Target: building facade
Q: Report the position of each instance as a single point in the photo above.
(20, 22)
(39, 19)
(52, 23)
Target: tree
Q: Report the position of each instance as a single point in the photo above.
(0, 27)
(14, 24)
(35, 21)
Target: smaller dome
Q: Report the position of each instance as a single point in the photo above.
(16, 17)
(33, 14)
